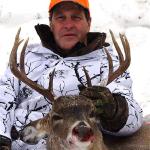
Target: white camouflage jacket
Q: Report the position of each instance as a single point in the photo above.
(20, 105)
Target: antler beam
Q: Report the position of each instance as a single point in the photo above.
(21, 75)
(124, 62)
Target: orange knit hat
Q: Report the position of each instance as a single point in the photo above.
(83, 3)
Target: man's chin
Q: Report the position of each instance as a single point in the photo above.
(68, 46)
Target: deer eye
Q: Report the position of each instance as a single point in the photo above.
(56, 117)
(92, 114)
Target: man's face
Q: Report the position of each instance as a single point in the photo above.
(69, 26)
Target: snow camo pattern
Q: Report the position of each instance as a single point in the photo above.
(19, 104)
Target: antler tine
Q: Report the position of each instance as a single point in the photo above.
(89, 84)
(126, 47)
(22, 69)
(109, 61)
(15, 47)
(124, 63)
(22, 75)
(117, 47)
(51, 76)
(13, 55)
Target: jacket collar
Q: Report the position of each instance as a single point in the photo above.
(95, 40)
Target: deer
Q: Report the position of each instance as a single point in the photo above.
(71, 124)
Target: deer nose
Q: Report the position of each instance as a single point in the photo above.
(83, 132)
(82, 124)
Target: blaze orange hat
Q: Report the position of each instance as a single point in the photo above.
(83, 3)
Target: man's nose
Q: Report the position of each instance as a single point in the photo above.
(69, 23)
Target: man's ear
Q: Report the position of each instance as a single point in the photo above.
(89, 21)
(51, 26)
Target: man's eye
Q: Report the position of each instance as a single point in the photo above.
(76, 18)
(60, 18)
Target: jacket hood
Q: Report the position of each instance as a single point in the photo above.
(95, 40)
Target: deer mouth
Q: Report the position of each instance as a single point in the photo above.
(83, 133)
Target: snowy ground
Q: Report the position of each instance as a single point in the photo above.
(131, 17)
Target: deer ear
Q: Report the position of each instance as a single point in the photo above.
(31, 135)
(35, 131)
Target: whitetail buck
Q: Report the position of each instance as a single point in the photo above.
(71, 125)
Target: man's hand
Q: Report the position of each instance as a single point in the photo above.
(5, 143)
(102, 99)
(111, 109)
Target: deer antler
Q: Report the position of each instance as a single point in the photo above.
(21, 75)
(124, 62)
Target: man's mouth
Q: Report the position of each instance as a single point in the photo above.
(69, 35)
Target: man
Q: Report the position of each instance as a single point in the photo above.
(67, 45)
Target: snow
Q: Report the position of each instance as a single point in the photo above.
(131, 17)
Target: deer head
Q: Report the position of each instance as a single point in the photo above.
(72, 123)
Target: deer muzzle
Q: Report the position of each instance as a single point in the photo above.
(83, 132)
